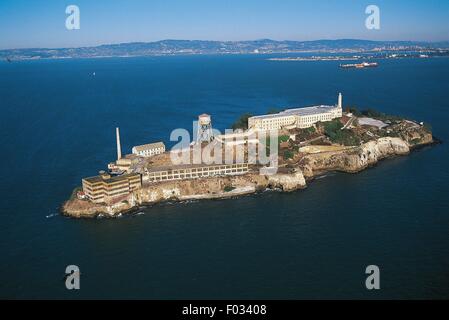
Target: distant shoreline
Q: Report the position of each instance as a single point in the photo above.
(202, 47)
(288, 59)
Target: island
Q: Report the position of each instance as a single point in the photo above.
(310, 141)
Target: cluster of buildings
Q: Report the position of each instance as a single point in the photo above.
(120, 180)
(123, 164)
(123, 178)
(296, 118)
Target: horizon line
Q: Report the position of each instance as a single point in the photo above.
(260, 39)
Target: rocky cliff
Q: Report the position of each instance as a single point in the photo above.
(206, 188)
(352, 159)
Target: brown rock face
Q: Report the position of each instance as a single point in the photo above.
(356, 158)
(287, 182)
(351, 160)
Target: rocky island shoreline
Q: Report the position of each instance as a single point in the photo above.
(304, 155)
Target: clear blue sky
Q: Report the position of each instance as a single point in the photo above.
(41, 23)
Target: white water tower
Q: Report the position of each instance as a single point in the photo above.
(204, 132)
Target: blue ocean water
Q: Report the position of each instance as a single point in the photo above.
(57, 125)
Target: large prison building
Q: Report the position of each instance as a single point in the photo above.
(296, 118)
(181, 172)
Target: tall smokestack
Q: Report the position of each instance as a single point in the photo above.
(119, 148)
(340, 101)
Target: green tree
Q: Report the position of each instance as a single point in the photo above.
(283, 138)
(288, 154)
(242, 122)
(373, 113)
(332, 129)
(354, 111)
(228, 188)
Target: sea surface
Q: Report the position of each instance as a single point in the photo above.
(57, 125)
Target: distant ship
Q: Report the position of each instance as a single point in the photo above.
(359, 65)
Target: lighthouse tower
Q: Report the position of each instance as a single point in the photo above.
(340, 101)
(204, 132)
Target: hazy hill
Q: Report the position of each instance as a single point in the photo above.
(172, 47)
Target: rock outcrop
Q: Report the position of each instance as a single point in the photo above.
(354, 159)
(287, 182)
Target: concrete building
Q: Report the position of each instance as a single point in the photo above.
(182, 172)
(238, 137)
(123, 164)
(104, 187)
(148, 150)
(297, 118)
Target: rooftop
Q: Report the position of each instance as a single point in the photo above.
(187, 166)
(305, 111)
(96, 179)
(149, 146)
(371, 122)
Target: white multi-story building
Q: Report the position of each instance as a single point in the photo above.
(297, 118)
(148, 150)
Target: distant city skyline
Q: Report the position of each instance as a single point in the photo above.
(41, 23)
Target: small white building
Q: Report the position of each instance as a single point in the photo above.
(150, 149)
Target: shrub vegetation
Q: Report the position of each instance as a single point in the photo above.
(228, 188)
(332, 129)
(241, 122)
